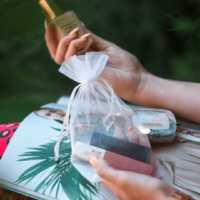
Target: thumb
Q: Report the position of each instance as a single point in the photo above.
(98, 43)
(110, 176)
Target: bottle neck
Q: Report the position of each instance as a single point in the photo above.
(51, 9)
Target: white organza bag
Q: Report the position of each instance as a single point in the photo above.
(96, 114)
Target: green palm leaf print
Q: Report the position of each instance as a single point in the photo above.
(62, 176)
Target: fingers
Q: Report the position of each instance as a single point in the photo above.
(68, 46)
(63, 46)
(73, 47)
(133, 136)
(118, 133)
(51, 40)
(99, 44)
(126, 181)
(103, 169)
(115, 189)
(106, 172)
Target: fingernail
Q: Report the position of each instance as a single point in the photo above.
(118, 133)
(93, 161)
(86, 35)
(74, 31)
(133, 137)
(131, 128)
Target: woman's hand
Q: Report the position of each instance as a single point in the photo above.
(129, 185)
(129, 79)
(123, 69)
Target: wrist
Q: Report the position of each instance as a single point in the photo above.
(149, 89)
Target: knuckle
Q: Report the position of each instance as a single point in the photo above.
(122, 180)
(57, 60)
(118, 194)
(101, 173)
(63, 40)
(73, 42)
(113, 44)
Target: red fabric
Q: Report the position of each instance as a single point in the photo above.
(6, 133)
(9, 195)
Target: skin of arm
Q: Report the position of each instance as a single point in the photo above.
(129, 79)
(182, 98)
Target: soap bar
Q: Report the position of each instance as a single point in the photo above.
(125, 148)
(83, 151)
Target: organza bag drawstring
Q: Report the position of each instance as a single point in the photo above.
(66, 119)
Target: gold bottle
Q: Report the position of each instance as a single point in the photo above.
(64, 22)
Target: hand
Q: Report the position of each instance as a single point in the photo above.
(129, 79)
(129, 185)
(123, 69)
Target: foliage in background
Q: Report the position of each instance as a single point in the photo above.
(164, 35)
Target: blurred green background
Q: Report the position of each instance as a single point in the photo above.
(164, 35)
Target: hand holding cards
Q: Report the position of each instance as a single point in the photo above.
(122, 155)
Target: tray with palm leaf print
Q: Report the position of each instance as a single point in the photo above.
(29, 167)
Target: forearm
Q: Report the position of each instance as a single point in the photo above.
(182, 98)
